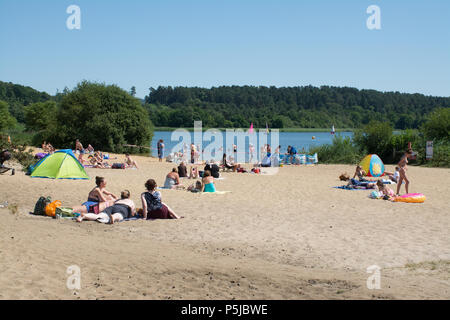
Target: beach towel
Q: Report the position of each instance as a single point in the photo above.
(217, 192)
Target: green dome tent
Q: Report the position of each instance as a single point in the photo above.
(60, 165)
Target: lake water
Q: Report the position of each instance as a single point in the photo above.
(300, 140)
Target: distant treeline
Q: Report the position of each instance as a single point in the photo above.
(17, 96)
(302, 107)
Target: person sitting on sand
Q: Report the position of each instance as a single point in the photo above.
(212, 167)
(122, 209)
(197, 187)
(360, 173)
(129, 162)
(208, 182)
(98, 199)
(386, 192)
(173, 180)
(152, 205)
(90, 149)
(5, 155)
(394, 176)
(182, 170)
(227, 165)
(44, 147)
(193, 173)
(80, 158)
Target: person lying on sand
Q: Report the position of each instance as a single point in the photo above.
(355, 183)
(98, 199)
(129, 162)
(122, 209)
(173, 180)
(152, 205)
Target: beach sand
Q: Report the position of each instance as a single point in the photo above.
(283, 236)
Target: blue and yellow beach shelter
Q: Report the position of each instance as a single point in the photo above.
(372, 165)
(60, 165)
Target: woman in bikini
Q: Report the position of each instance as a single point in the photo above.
(98, 199)
(403, 168)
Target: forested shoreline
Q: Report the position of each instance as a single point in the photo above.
(111, 118)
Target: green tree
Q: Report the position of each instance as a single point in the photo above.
(40, 116)
(105, 116)
(6, 120)
(437, 127)
(133, 91)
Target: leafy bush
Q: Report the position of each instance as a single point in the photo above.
(375, 138)
(18, 152)
(342, 150)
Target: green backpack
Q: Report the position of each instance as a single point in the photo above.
(39, 207)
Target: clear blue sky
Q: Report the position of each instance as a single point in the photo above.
(147, 43)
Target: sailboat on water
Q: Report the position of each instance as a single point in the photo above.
(332, 130)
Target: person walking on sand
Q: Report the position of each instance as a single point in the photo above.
(402, 164)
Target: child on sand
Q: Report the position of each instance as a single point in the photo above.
(195, 188)
(386, 192)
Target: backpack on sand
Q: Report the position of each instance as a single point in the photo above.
(39, 207)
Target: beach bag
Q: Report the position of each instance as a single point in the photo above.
(39, 207)
(50, 209)
(65, 213)
(118, 166)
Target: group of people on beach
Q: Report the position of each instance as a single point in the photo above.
(48, 148)
(398, 177)
(96, 159)
(105, 207)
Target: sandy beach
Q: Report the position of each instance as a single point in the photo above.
(285, 236)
